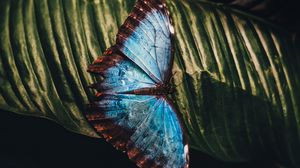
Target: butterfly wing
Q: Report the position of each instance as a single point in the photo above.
(145, 126)
(119, 74)
(146, 39)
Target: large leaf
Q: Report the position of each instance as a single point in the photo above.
(240, 95)
(236, 76)
(45, 50)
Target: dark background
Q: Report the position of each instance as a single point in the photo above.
(284, 13)
(30, 142)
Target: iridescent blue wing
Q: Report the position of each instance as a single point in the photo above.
(146, 39)
(119, 74)
(145, 126)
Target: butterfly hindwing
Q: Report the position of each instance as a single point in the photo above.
(119, 75)
(145, 126)
(130, 111)
(146, 38)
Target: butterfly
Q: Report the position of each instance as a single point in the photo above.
(132, 110)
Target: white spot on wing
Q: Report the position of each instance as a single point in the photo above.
(186, 152)
(171, 29)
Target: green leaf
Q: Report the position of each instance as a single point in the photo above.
(238, 86)
(236, 76)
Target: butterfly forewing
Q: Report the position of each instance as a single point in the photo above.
(146, 38)
(145, 126)
(131, 111)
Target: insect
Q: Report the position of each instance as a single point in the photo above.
(132, 110)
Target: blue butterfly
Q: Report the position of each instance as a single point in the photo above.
(132, 110)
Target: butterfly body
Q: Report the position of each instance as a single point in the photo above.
(131, 109)
(159, 90)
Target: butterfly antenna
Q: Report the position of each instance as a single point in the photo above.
(171, 84)
(172, 77)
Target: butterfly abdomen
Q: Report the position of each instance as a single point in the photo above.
(158, 90)
(132, 110)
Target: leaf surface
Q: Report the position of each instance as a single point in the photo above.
(236, 76)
